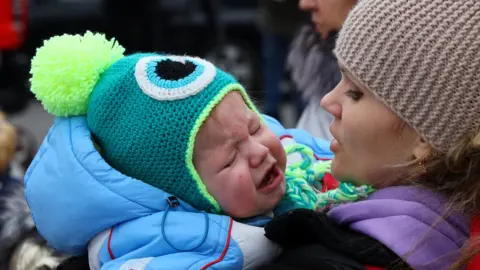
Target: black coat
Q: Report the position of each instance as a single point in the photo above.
(311, 241)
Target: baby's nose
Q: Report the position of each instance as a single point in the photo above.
(258, 154)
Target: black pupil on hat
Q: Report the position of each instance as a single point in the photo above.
(173, 70)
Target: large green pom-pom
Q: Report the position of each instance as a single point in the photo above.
(66, 68)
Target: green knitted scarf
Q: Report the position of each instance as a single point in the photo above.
(304, 183)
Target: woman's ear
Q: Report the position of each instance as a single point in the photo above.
(422, 149)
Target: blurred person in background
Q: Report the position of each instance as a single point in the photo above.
(312, 64)
(21, 247)
(13, 23)
(279, 20)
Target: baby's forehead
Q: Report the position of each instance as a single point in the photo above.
(228, 121)
(234, 117)
(231, 111)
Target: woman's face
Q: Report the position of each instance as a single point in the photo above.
(369, 138)
(327, 15)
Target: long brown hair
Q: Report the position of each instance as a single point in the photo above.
(456, 174)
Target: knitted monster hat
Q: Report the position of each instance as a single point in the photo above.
(144, 110)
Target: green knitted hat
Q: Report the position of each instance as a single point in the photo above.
(144, 110)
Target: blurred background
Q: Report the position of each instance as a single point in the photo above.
(248, 38)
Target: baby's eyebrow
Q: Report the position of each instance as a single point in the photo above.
(234, 139)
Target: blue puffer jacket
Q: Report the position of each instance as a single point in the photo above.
(79, 202)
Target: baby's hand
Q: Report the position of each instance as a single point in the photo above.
(295, 228)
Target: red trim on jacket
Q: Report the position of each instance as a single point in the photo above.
(219, 259)
(109, 244)
(225, 249)
(286, 136)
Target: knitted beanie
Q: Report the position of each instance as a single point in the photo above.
(144, 110)
(422, 58)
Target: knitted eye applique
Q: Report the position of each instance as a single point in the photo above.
(173, 77)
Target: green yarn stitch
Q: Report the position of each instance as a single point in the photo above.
(302, 176)
(346, 192)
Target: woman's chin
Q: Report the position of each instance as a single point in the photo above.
(335, 168)
(340, 171)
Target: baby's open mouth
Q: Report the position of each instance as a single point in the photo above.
(271, 180)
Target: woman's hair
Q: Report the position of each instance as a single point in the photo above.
(456, 175)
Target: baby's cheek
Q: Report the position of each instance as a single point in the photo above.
(276, 149)
(242, 187)
(238, 198)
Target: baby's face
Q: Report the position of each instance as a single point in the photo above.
(240, 160)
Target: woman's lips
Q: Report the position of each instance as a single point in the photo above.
(334, 145)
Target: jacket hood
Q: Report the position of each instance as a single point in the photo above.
(74, 194)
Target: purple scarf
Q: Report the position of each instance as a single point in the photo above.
(411, 222)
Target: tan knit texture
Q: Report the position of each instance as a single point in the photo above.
(422, 58)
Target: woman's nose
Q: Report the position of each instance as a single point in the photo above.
(307, 5)
(331, 105)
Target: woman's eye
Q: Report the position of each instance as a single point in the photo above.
(354, 94)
